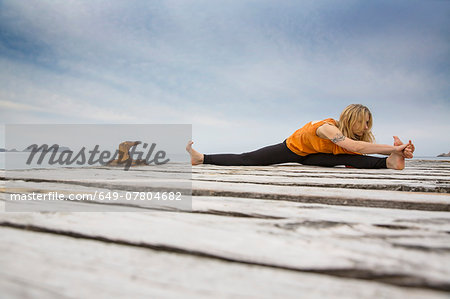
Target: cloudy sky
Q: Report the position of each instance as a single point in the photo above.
(244, 73)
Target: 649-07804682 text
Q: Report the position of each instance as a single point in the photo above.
(97, 196)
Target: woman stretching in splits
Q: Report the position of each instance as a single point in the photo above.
(322, 143)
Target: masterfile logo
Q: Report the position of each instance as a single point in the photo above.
(123, 156)
(101, 168)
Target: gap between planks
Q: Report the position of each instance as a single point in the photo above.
(396, 279)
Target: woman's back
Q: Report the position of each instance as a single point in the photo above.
(305, 141)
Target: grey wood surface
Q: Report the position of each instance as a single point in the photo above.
(275, 231)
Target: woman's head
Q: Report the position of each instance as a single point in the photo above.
(356, 123)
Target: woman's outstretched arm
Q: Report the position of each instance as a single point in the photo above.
(335, 135)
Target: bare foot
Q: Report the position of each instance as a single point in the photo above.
(196, 157)
(396, 161)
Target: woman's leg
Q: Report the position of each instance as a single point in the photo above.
(272, 154)
(356, 161)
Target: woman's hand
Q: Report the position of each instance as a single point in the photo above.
(400, 150)
(409, 150)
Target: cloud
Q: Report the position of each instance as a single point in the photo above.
(267, 66)
(19, 106)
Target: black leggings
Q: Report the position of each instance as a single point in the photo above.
(280, 153)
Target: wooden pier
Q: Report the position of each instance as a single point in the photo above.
(285, 231)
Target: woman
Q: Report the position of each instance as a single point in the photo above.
(322, 143)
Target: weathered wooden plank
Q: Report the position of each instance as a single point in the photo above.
(279, 170)
(84, 268)
(327, 247)
(284, 169)
(328, 195)
(400, 247)
(382, 184)
(319, 175)
(292, 170)
(147, 183)
(333, 196)
(270, 209)
(412, 167)
(384, 218)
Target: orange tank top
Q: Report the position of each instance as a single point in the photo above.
(305, 141)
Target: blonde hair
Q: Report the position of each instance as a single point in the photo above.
(354, 114)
